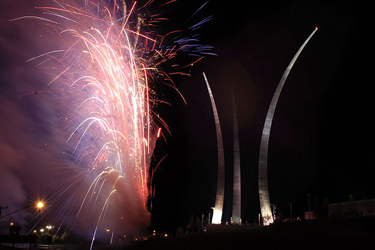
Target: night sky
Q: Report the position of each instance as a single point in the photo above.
(321, 137)
(321, 134)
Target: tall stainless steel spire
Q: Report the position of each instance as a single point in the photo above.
(236, 212)
(264, 199)
(218, 211)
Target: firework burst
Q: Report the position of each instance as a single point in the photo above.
(105, 74)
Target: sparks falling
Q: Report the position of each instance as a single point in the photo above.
(106, 92)
(106, 73)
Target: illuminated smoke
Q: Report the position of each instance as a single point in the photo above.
(102, 61)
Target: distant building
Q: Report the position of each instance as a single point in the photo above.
(352, 208)
(310, 215)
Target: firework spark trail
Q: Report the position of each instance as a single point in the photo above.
(105, 93)
(103, 76)
(101, 213)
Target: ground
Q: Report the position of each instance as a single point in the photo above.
(337, 233)
(319, 234)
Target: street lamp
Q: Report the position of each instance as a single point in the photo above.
(38, 205)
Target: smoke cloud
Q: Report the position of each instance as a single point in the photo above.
(33, 160)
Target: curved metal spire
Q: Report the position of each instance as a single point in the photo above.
(218, 211)
(264, 199)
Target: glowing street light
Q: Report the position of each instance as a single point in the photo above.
(39, 205)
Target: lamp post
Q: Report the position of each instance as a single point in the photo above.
(39, 205)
